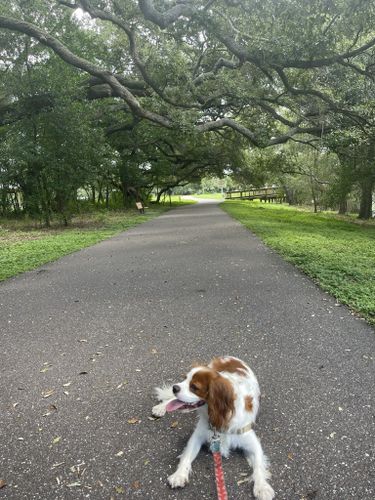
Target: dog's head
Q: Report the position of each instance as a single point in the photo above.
(204, 385)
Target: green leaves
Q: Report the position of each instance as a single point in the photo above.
(271, 71)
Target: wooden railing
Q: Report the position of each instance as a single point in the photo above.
(263, 194)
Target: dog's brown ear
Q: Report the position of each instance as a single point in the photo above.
(220, 402)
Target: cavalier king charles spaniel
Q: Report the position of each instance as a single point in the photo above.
(225, 393)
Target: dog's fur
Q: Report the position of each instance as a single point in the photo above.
(230, 392)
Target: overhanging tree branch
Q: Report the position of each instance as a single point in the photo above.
(260, 59)
(96, 13)
(164, 19)
(122, 91)
(332, 105)
(61, 50)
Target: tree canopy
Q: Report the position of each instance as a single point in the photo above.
(178, 88)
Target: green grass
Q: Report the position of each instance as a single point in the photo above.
(214, 196)
(337, 252)
(176, 199)
(24, 247)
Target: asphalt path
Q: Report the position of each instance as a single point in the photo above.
(85, 339)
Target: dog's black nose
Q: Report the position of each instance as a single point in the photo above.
(176, 389)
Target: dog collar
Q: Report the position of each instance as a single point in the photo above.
(247, 428)
(243, 430)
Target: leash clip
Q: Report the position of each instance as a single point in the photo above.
(215, 442)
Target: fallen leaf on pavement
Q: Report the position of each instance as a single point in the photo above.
(290, 456)
(119, 454)
(2, 483)
(76, 469)
(174, 424)
(51, 409)
(119, 489)
(133, 421)
(57, 465)
(45, 369)
(48, 393)
(56, 440)
(244, 480)
(136, 485)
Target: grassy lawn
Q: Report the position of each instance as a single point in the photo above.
(213, 196)
(176, 200)
(24, 247)
(338, 252)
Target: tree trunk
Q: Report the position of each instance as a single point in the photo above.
(45, 200)
(365, 209)
(5, 199)
(125, 194)
(15, 202)
(161, 193)
(61, 200)
(313, 194)
(289, 195)
(158, 196)
(343, 206)
(106, 197)
(100, 193)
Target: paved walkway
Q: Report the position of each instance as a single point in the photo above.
(95, 331)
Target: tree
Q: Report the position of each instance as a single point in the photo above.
(211, 70)
(50, 146)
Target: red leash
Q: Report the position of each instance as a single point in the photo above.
(219, 473)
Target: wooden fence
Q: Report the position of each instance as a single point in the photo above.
(270, 194)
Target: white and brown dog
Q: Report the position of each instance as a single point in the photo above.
(226, 394)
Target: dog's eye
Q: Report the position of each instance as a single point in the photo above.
(193, 387)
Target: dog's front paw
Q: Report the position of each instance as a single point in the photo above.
(159, 410)
(263, 492)
(179, 479)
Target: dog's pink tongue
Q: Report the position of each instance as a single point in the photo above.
(173, 405)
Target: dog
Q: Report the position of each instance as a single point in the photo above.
(226, 395)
